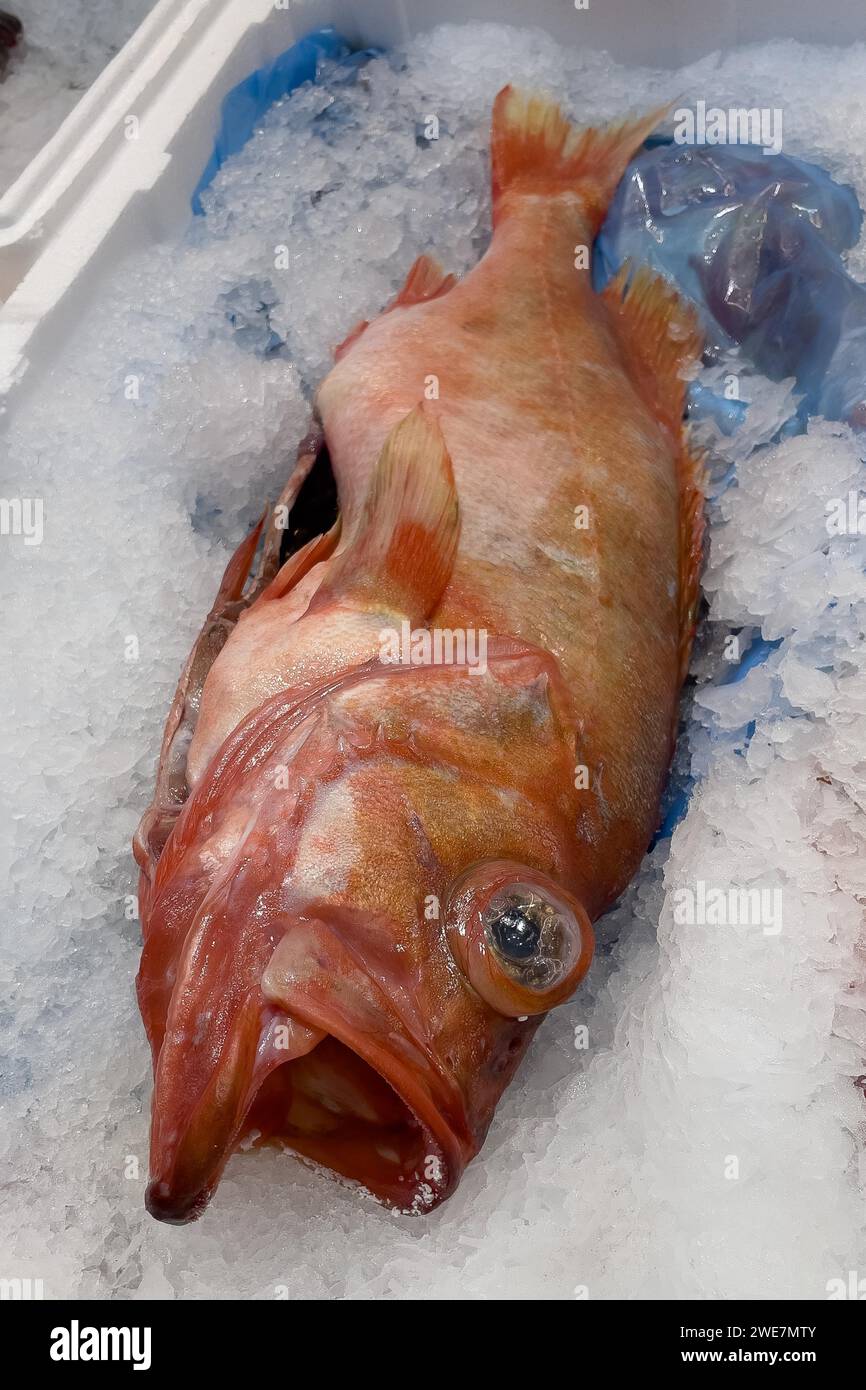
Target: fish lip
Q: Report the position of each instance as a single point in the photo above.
(391, 1044)
(175, 1209)
(184, 1171)
(176, 1206)
(442, 1139)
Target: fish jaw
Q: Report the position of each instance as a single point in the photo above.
(324, 1059)
(419, 1144)
(191, 1143)
(293, 992)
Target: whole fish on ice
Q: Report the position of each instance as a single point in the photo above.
(413, 759)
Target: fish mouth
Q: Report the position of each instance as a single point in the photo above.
(352, 1089)
(366, 1124)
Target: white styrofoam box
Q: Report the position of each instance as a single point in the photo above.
(93, 193)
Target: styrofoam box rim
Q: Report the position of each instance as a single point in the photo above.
(105, 185)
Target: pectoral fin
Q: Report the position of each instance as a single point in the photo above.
(401, 554)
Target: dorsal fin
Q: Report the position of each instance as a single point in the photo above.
(403, 545)
(426, 280)
(660, 338)
(659, 335)
(692, 479)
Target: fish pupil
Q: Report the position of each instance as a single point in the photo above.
(515, 934)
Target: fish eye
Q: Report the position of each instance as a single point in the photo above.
(523, 943)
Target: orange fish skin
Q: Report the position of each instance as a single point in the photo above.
(318, 969)
(371, 826)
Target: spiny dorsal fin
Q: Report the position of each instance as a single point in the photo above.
(402, 550)
(536, 149)
(659, 335)
(426, 280)
(660, 338)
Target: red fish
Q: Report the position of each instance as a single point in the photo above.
(413, 760)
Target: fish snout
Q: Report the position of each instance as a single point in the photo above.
(173, 1208)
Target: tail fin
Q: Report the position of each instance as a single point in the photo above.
(536, 149)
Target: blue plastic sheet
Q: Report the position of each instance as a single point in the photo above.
(756, 242)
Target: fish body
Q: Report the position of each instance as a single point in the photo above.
(366, 877)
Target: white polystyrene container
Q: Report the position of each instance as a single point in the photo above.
(93, 193)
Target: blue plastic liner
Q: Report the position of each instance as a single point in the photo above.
(756, 242)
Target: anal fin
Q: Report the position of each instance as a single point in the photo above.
(426, 280)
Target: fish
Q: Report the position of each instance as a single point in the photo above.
(419, 746)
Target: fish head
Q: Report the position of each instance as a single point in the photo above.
(364, 910)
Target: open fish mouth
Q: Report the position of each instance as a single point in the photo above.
(336, 1076)
(333, 1108)
(336, 1109)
